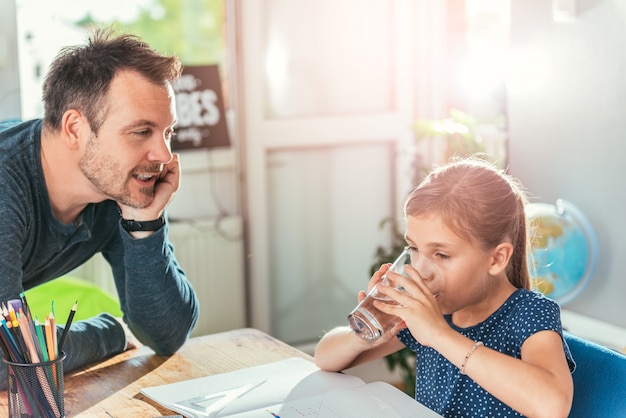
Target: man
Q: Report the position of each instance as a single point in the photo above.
(95, 176)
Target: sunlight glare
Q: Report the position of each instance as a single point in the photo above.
(102, 11)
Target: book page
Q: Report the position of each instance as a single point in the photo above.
(373, 400)
(248, 389)
(291, 388)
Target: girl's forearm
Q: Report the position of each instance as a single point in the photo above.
(342, 349)
(336, 350)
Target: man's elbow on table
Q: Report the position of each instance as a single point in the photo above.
(165, 343)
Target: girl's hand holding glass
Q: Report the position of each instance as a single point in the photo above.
(367, 320)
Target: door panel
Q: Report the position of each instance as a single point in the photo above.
(324, 103)
(325, 206)
(323, 58)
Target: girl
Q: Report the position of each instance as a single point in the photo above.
(485, 344)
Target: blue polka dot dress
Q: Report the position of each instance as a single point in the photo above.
(439, 384)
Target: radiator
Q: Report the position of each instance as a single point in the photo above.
(211, 254)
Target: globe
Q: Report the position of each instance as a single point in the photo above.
(564, 249)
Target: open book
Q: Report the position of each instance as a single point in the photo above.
(288, 388)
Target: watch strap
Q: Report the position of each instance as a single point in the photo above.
(131, 225)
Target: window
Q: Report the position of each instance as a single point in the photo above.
(192, 29)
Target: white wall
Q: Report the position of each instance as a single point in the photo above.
(9, 76)
(567, 114)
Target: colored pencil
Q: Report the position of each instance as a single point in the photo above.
(42, 341)
(25, 306)
(41, 375)
(53, 331)
(30, 334)
(67, 327)
(49, 341)
(5, 312)
(12, 345)
(26, 309)
(26, 341)
(15, 332)
(6, 346)
(12, 314)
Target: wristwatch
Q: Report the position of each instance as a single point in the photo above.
(131, 225)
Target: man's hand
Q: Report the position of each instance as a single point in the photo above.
(164, 189)
(131, 341)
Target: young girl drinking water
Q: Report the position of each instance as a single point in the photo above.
(486, 345)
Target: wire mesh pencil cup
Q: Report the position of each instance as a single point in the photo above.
(36, 389)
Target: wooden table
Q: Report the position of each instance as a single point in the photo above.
(111, 388)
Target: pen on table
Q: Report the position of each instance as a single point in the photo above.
(67, 327)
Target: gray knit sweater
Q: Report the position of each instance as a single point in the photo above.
(158, 303)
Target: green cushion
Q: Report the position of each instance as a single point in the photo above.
(66, 290)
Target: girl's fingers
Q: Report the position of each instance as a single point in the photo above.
(362, 295)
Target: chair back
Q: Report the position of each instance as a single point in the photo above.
(599, 380)
(65, 290)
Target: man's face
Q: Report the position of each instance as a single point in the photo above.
(124, 160)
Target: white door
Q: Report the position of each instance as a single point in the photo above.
(324, 112)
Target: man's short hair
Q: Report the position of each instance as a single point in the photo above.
(80, 76)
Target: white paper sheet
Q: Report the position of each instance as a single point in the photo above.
(291, 388)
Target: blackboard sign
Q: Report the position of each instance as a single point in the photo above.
(200, 108)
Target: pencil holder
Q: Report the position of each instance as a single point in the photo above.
(36, 389)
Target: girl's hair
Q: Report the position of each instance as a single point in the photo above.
(80, 76)
(479, 202)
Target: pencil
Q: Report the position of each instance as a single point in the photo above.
(28, 339)
(12, 345)
(45, 339)
(41, 339)
(34, 358)
(67, 327)
(16, 334)
(29, 331)
(12, 314)
(6, 346)
(53, 331)
(26, 309)
(50, 344)
(42, 376)
(5, 312)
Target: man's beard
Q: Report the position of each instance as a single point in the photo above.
(107, 176)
